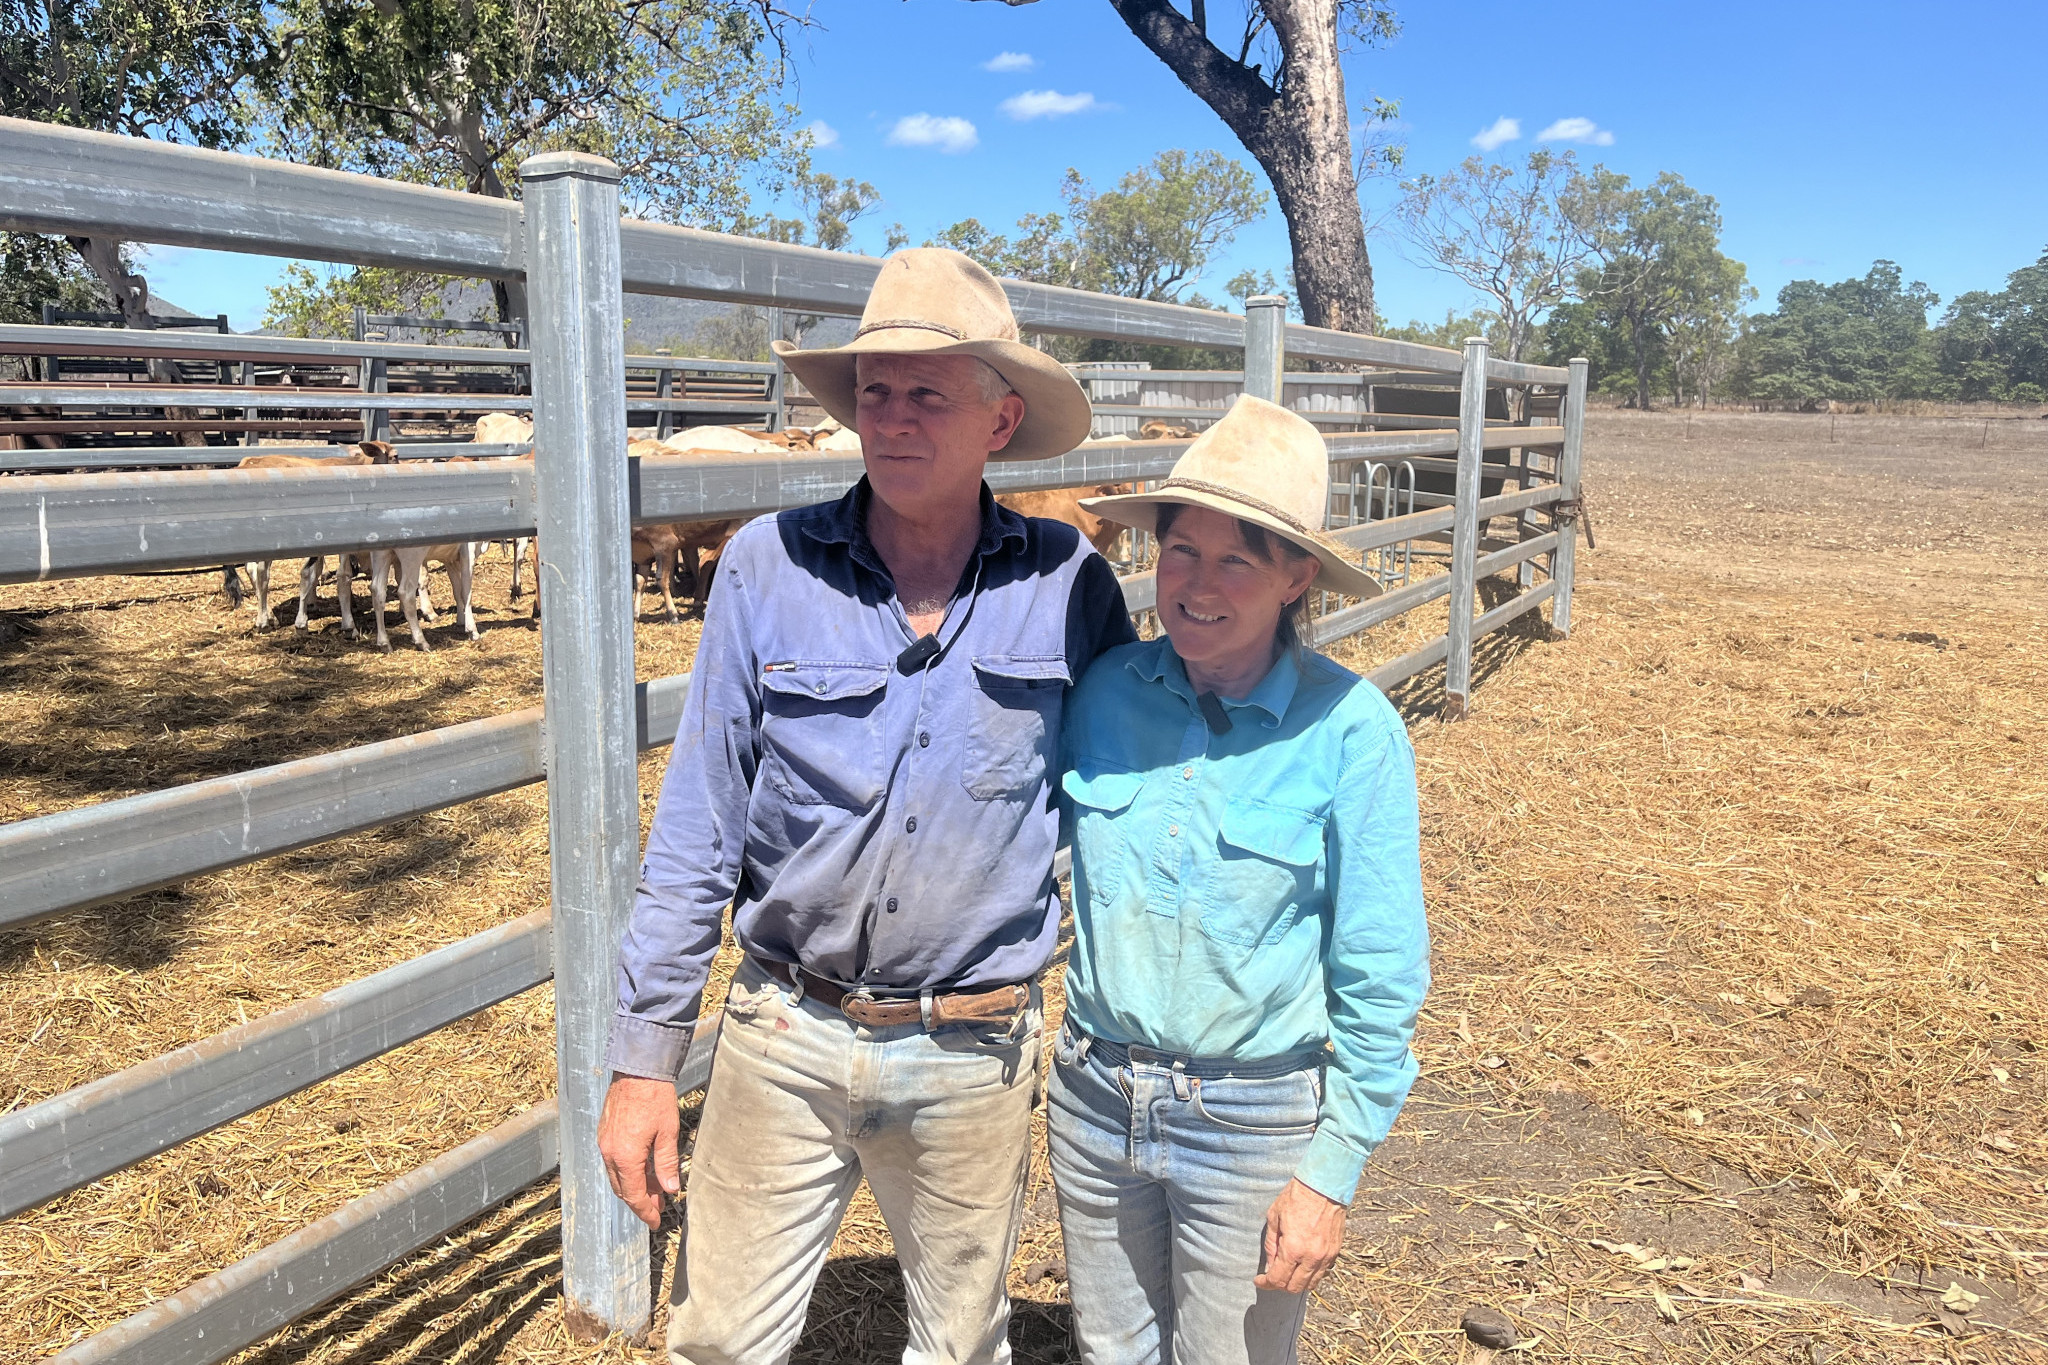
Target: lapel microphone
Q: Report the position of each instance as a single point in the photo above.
(1213, 712)
(921, 652)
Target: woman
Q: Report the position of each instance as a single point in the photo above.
(1249, 948)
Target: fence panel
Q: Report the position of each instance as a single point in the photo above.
(582, 495)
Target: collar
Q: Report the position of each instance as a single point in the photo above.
(1158, 663)
(845, 522)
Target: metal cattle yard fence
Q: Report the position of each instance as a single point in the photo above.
(463, 379)
(581, 495)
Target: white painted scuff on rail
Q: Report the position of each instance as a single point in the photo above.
(43, 537)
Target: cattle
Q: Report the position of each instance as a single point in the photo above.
(1064, 504)
(459, 559)
(502, 429)
(366, 453)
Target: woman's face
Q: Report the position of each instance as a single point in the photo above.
(1218, 601)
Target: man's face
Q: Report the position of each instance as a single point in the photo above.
(925, 430)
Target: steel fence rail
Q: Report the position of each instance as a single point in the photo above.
(239, 1306)
(76, 859)
(80, 525)
(71, 1139)
(61, 180)
(77, 459)
(252, 1298)
(138, 344)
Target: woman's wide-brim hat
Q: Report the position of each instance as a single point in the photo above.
(931, 301)
(1261, 464)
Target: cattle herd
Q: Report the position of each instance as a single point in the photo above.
(661, 554)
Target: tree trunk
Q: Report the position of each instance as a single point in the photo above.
(482, 173)
(130, 293)
(1300, 134)
(1635, 333)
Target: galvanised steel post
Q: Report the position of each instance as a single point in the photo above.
(1568, 481)
(1465, 529)
(1265, 345)
(581, 506)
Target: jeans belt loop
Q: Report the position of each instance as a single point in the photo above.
(1183, 1089)
(796, 986)
(924, 1008)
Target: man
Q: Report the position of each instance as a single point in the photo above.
(863, 771)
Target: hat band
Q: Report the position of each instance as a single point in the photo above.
(1221, 490)
(912, 324)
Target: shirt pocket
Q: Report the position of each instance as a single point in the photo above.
(1267, 860)
(1013, 723)
(1100, 848)
(821, 732)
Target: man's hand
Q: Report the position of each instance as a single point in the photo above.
(637, 1137)
(1303, 1232)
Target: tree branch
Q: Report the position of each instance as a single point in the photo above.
(1233, 90)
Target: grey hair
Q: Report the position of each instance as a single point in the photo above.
(989, 382)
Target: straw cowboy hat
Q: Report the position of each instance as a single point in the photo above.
(931, 301)
(1261, 464)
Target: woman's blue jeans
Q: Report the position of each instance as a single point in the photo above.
(1165, 1168)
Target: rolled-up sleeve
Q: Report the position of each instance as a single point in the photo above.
(695, 845)
(1377, 961)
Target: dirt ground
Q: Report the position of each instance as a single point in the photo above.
(1736, 1047)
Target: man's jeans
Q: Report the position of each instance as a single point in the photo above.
(1165, 1171)
(803, 1102)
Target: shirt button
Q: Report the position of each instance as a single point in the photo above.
(1173, 830)
(1188, 772)
(820, 687)
(910, 825)
(924, 739)
(892, 905)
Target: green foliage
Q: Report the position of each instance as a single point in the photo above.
(1995, 346)
(322, 301)
(166, 69)
(1151, 237)
(1503, 231)
(146, 68)
(828, 207)
(682, 94)
(1661, 280)
(35, 270)
(1453, 330)
(1859, 339)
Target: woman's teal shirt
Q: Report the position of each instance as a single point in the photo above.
(1254, 893)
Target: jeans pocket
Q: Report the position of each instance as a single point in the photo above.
(1016, 722)
(1289, 1103)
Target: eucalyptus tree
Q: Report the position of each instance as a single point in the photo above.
(685, 95)
(1272, 70)
(165, 69)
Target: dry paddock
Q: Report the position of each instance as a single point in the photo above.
(1739, 1041)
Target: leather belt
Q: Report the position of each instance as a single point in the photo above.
(997, 1005)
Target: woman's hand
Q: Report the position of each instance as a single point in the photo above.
(1304, 1229)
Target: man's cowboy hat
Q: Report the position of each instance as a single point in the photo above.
(931, 301)
(1261, 464)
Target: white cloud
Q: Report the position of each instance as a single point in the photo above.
(823, 134)
(1047, 104)
(1502, 129)
(1577, 130)
(945, 132)
(1010, 61)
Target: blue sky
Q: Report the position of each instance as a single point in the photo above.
(1832, 134)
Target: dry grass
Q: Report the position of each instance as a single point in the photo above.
(1736, 896)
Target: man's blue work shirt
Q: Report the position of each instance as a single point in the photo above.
(882, 828)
